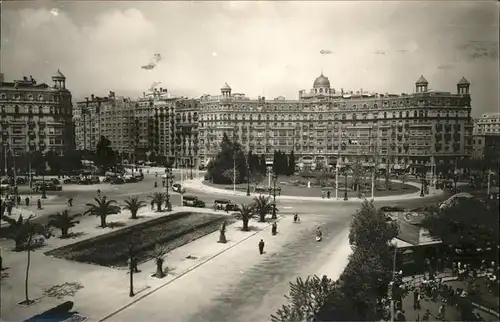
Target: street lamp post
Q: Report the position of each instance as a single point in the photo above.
(191, 168)
(168, 182)
(345, 185)
(422, 186)
(44, 194)
(275, 178)
(131, 269)
(248, 180)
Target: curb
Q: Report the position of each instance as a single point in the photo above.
(408, 196)
(180, 275)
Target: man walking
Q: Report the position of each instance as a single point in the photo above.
(261, 246)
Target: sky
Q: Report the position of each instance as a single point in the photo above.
(259, 48)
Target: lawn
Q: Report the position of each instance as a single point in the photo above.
(171, 231)
(297, 186)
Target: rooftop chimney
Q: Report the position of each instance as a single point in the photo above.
(92, 97)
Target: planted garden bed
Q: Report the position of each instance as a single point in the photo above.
(171, 231)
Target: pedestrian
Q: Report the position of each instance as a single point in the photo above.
(442, 310)
(39, 204)
(70, 201)
(274, 228)
(27, 201)
(328, 194)
(261, 246)
(152, 204)
(295, 217)
(417, 318)
(426, 316)
(18, 200)
(156, 184)
(415, 298)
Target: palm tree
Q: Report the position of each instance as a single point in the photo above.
(102, 208)
(133, 204)
(247, 212)
(262, 206)
(158, 198)
(63, 221)
(158, 253)
(17, 231)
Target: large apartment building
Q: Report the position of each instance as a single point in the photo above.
(35, 117)
(325, 125)
(156, 126)
(111, 116)
(488, 123)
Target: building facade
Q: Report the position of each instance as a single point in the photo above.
(487, 124)
(327, 126)
(36, 117)
(486, 147)
(111, 116)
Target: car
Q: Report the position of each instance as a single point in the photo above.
(193, 201)
(130, 179)
(73, 180)
(47, 186)
(55, 181)
(117, 180)
(21, 180)
(176, 187)
(392, 209)
(225, 204)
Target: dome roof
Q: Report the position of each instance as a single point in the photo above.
(463, 81)
(422, 81)
(58, 74)
(321, 81)
(226, 87)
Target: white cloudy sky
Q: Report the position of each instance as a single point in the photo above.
(259, 48)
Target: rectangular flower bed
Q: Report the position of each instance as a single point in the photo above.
(112, 249)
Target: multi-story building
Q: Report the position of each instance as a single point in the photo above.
(486, 147)
(487, 124)
(111, 116)
(35, 116)
(325, 125)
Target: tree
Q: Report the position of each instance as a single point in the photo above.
(158, 254)
(357, 173)
(291, 164)
(25, 233)
(456, 227)
(369, 227)
(230, 155)
(133, 204)
(263, 164)
(102, 208)
(275, 162)
(63, 221)
(158, 198)
(306, 298)
(231, 175)
(105, 157)
(257, 177)
(262, 207)
(247, 212)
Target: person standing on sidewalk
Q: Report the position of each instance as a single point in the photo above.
(261, 246)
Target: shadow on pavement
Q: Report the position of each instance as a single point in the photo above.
(58, 313)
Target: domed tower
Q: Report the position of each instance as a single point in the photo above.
(226, 90)
(421, 85)
(321, 85)
(463, 86)
(59, 80)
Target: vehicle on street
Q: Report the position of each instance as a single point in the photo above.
(73, 180)
(193, 201)
(117, 180)
(129, 179)
(225, 204)
(392, 209)
(176, 187)
(55, 181)
(47, 186)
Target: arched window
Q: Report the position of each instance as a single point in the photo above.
(421, 114)
(414, 113)
(343, 116)
(354, 116)
(385, 115)
(259, 117)
(400, 115)
(321, 90)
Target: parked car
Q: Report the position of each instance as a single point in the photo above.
(21, 180)
(117, 180)
(130, 179)
(176, 187)
(392, 209)
(47, 186)
(73, 180)
(225, 204)
(55, 181)
(193, 201)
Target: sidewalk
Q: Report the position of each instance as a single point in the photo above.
(92, 282)
(198, 185)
